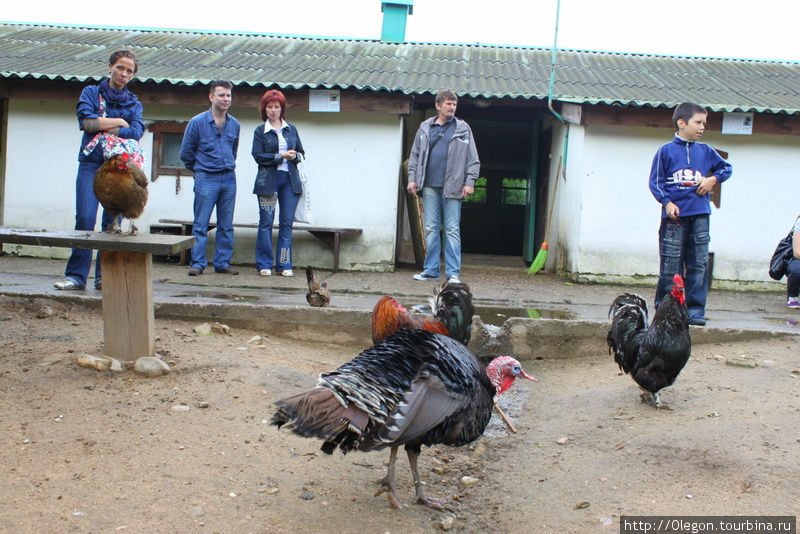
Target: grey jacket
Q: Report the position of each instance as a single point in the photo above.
(463, 164)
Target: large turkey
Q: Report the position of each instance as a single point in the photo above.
(652, 354)
(415, 388)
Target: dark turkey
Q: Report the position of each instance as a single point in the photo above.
(415, 388)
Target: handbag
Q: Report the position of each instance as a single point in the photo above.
(302, 212)
(780, 258)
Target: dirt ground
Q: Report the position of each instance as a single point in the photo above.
(191, 451)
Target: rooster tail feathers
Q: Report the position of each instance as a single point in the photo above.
(629, 318)
(452, 305)
(309, 274)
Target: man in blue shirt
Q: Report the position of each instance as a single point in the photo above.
(209, 148)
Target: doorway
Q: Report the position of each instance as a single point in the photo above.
(494, 219)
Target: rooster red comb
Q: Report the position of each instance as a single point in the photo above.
(503, 370)
(678, 290)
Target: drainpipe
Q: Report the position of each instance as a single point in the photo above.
(550, 91)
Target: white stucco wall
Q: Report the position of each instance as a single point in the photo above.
(619, 218)
(353, 162)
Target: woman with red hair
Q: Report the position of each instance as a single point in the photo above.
(277, 150)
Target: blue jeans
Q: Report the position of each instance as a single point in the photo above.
(436, 208)
(683, 245)
(287, 202)
(80, 261)
(210, 190)
(793, 278)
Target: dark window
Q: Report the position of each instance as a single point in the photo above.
(167, 139)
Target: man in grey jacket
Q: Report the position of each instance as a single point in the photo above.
(442, 168)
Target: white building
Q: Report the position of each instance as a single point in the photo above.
(618, 107)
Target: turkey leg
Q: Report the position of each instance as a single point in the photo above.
(421, 498)
(387, 483)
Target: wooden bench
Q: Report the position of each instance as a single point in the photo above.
(330, 236)
(126, 262)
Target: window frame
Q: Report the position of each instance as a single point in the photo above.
(158, 129)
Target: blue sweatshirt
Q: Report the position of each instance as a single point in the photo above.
(677, 170)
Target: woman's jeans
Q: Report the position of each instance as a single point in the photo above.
(793, 278)
(85, 218)
(683, 245)
(435, 208)
(286, 200)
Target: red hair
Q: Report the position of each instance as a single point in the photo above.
(272, 96)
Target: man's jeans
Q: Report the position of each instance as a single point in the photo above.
(683, 245)
(86, 205)
(214, 189)
(435, 207)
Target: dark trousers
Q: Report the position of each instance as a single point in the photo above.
(793, 278)
(683, 245)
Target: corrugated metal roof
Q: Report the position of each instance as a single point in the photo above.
(189, 57)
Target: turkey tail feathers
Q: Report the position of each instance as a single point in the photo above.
(318, 413)
(452, 305)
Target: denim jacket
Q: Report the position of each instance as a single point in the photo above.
(89, 108)
(265, 152)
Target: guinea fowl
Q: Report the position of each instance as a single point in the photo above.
(415, 388)
(453, 311)
(121, 188)
(317, 295)
(653, 355)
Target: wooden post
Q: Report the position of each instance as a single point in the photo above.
(128, 318)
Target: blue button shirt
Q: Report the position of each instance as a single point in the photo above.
(207, 148)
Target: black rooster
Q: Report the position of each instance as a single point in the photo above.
(415, 388)
(654, 355)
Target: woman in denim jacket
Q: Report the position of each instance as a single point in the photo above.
(108, 107)
(277, 150)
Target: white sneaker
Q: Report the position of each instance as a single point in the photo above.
(265, 272)
(287, 272)
(422, 277)
(453, 280)
(793, 302)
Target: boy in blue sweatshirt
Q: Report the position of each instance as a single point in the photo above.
(684, 171)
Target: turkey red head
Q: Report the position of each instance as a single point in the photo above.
(503, 370)
(122, 161)
(678, 291)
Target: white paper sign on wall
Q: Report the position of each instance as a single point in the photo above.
(325, 100)
(737, 123)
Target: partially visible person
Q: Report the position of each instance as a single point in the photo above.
(443, 167)
(276, 149)
(793, 270)
(684, 171)
(209, 148)
(111, 108)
